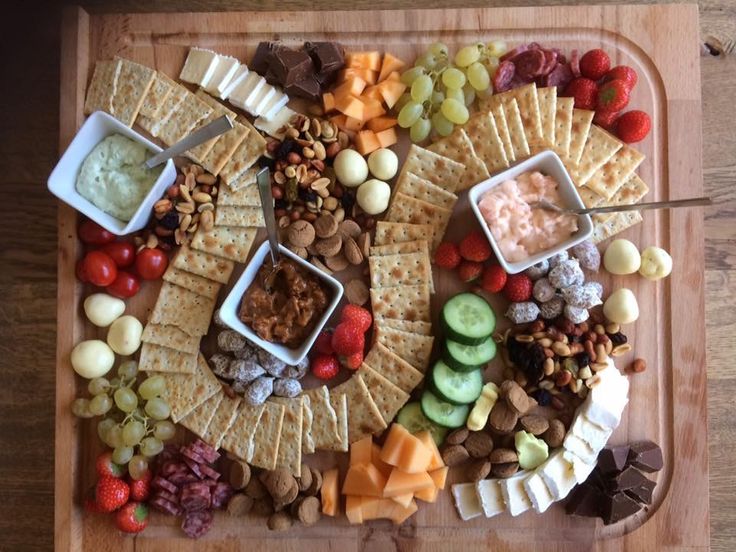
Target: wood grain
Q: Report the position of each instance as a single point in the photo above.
(28, 145)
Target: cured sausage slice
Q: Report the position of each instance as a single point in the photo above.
(197, 524)
(503, 77)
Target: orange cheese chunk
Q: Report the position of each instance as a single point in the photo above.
(361, 451)
(390, 64)
(377, 508)
(391, 91)
(394, 75)
(350, 106)
(401, 482)
(381, 123)
(387, 137)
(439, 477)
(403, 499)
(391, 451)
(370, 77)
(364, 60)
(371, 92)
(382, 466)
(426, 438)
(364, 480)
(330, 493)
(328, 101)
(353, 509)
(427, 495)
(373, 108)
(366, 142)
(415, 457)
(352, 124)
(353, 86)
(400, 515)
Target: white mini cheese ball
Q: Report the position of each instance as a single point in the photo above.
(373, 196)
(621, 257)
(621, 307)
(92, 359)
(383, 164)
(103, 309)
(350, 168)
(656, 263)
(124, 335)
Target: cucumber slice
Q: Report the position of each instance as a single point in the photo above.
(455, 387)
(468, 319)
(414, 420)
(464, 358)
(443, 413)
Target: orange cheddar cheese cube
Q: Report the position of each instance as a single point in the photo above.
(378, 124)
(364, 480)
(401, 482)
(361, 451)
(366, 142)
(391, 91)
(382, 466)
(350, 106)
(403, 499)
(353, 509)
(390, 64)
(328, 102)
(387, 137)
(353, 86)
(439, 477)
(330, 492)
(352, 124)
(364, 60)
(373, 108)
(427, 495)
(426, 438)
(400, 514)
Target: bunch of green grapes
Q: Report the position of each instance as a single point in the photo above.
(441, 92)
(133, 418)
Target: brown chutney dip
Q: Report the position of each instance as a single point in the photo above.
(288, 312)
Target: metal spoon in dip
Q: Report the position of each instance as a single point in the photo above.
(691, 202)
(211, 130)
(264, 189)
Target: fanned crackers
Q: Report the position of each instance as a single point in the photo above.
(582, 119)
(239, 439)
(499, 117)
(402, 302)
(400, 248)
(184, 309)
(415, 326)
(364, 418)
(198, 284)
(247, 196)
(230, 242)
(203, 264)
(181, 122)
(598, 150)
(481, 129)
(392, 367)
(132, 86)
(547, 98)
(168, 108)
(246, 178)
(155, 358)
(233, 215)
(171, 337)
(102, 86)
(458, 147)
(307, 420)
(161, 87)
(388, 397)
(324, 429)
(436, 168)
(267, 436)
(185, 392)
(199, 152)
(290, 443)
(419, 188)
(528, 105)
(632, 191)
(516, 130)
(414, 348)
(246, 154)
(605, 226)
(396, 270)
(199, 419)
(339, 403)
(415, 211)
(224, 148)
(220, 423)
(610, 177)
(563, 126)
(394, 232)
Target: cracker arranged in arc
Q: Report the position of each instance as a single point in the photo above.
(364, 418)
(414, 348)
(161, 87)
(133, 84)
(239, 438)
(499, 117)
(290, 443)
(185, 392)
(230, 242)
(606, 226)
(516, 130)
(199, 152)
(102, 86)
(436, 168)
(599, 149)
(339, 403)
(155, 358)
(168, 108)
(415, 211)
(632, 191)
(395, 232)
(400, 248)
(607, 180)
(481, 129)
(224, 148)
(563, 126)
(396, 270)
(246, 154)
(235, 215)
(203, 264)
(582, 119)
(324, 430)
(171, 337)
(192, 282)
(388, 397)
(458, 147)
(590, 198)
(415, 186)
(198, 420)
(184, 309)
(247, 196)
(220, 423)
(307, 420)
(392, 367)
(267, 436)
(528, 102)
(181, 122)
(414, 326)
(547, 98)
(402, 302)
(244, 179)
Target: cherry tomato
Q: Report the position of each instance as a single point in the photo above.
(125, 285)
(123, 253)
(100, 268)
(92, 233)
(80, 272)
(151, 263)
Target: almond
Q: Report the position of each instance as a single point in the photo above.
(352, 252)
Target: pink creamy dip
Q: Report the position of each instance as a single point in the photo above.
(519, 230)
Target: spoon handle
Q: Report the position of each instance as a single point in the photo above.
(691, 202)
(207, 132)
(264, 189)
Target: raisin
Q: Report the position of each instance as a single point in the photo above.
(618, 338)
(264, 162)
(280, 203)
(529, 357)
(170, 220)
(348, 200)
(542, 396)
(583, 359)
(306, 195)
(286, 147)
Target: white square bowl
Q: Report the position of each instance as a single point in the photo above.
(63, 179)
(548, 163)
(231, 305)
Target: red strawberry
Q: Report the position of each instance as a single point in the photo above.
(518, 288)
(469, 270)
(584, 91)
(613, 96)
(140, 489)
(348, 338)
(105, 467)
(447, 256)
(633, 126)
(606, 118)
(111, 493)
(494, 278)
(323, 343)
(90, 504)
(475, 247)
(353, 361)
(325, 367)
(132, 518)
(594, 64)
(624, 73)
(358, 315)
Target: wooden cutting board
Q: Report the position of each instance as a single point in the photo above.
(667, 401)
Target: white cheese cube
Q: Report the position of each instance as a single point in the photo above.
(246, 89)
(538, 492)
(514, 494)
(593, 434)
(235, 81)
(199, 66)
(224, 71)
(276, 126)
(466, 501)
(491, 497)
(576, 445)
(558, 475)
(262, 100)
(606, 401)
(275, 106)
(580, 469)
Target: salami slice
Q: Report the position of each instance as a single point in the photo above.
(171, 497)
(221, 495)
(165, 506)
(173, 468)
(196, 468)
(211, 473)
(504, 75)
(206, 451)
(550, 61)
(164, 484)
(511, 54)
(560, 76)
(197, 524)
(181, 479)
(530, 64)
(195, 497)
(193, 455)
(575, 63)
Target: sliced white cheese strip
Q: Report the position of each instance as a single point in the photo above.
(224, 71)
(466, 501)
(275, 127)
(580, 469)
(257, 107)
(593, 434)
(237, 78)
(606, 401)
(199, 66)
(491, 497)
(558, 475)
(576, 445)
(538, 492)
(514, 494)
(276, 105)
(251, 85)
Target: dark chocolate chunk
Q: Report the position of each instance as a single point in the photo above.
(327, 56)
(585, 500)
(642, 493)
(613, 460)
(619, 506)
(271, 77)
(291, 66)
(308, 88)
(628, 479)
(262, 58)
(646, 455)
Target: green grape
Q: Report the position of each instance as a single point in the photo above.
(455, 94)
(408, 76)
(80, 408)
(100, 404)
(426, 60)
(421, 88)
(157, 409)
(496, 48)
(125, 399)
(491, 64)
(453, 78)
(114, 436)
(133, 432)
(153, 386)
(409, 113)
(103, 426)
(478, 76)
(467, 55)
(97, 386)
(439, 49)
(469, 93)
(437, 97)
(137, 466)
(122, 455)
(150, 446)
(128, 369)
(164, 430)
(420, 130)
(455, 111)
(115, 383)
(402, 101)
(442, 125)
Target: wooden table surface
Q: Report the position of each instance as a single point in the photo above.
(29, 118)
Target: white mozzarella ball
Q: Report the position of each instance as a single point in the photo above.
(92, 359)
(124, 336)
(103, 309)
(383, 164)
(351, 168)
(621, 257)
(621, 307)
(656, 263)
(373, 196)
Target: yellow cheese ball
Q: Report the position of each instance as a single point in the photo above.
(621, 307)
(621, 257)
(656, 263)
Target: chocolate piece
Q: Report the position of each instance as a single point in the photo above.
(328, 57)
(628, 479)
(262, 58)
(291, 66)
(586, 501)
(613, 460)
(642, 493)
(646, 455)
(308, 88)
(618, 507)
(271, 77)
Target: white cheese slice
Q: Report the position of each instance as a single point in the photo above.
(491, 497)
(275, 127)
(237, 78)
(558, 475)
(199, 66)
(576, 445)
(606, 401)
(275, 106)
(593, 434)
(466, 501)
(580, 469)
(538, 492)
(256, 108)
(252, 84)
(224, 71)
(514, 494)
